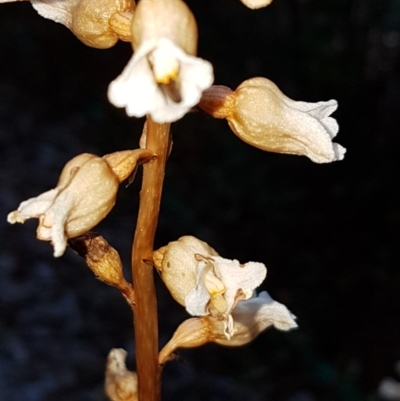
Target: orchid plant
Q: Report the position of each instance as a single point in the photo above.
(163, 81)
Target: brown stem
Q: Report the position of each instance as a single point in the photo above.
(145, 311)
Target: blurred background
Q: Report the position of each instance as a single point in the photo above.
(328, 234)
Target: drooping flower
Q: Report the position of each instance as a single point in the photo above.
(97, 23)
(85, 194)
(250, 318)
(164, 78)
(261, 115)
(205, 283)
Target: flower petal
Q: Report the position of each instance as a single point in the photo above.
(56, 10)
(253, 316)
(33, 207)
(197, 299)
(238, 277)
(136, 88)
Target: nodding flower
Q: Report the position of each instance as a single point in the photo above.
(85, 193)
(261, 115)
(164, 78)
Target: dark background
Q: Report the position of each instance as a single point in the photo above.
(329, 234)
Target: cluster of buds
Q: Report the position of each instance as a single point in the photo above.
(220, 293)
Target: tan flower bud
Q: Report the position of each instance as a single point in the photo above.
(177, 265)
(261, 115)
(101, 258)
(104, 261)
(97, 23)
(121, 384)
(85, 194)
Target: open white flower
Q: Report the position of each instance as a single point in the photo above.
(163, 77)
(250, 318)
(85, 194)
(205, 283)
(261, 115)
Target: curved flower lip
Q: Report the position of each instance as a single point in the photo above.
(221, 283)
(253, 316)
(136, 88)
(250, 318)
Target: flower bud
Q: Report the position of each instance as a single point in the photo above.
(101, 258)
(261, 115)
(121, 384)
(97, 23)
(85, 194)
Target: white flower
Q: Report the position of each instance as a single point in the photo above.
(250, 318)
(85, 194)
(164, 78)
(161, 80)
(205, 283)
(262, 116)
